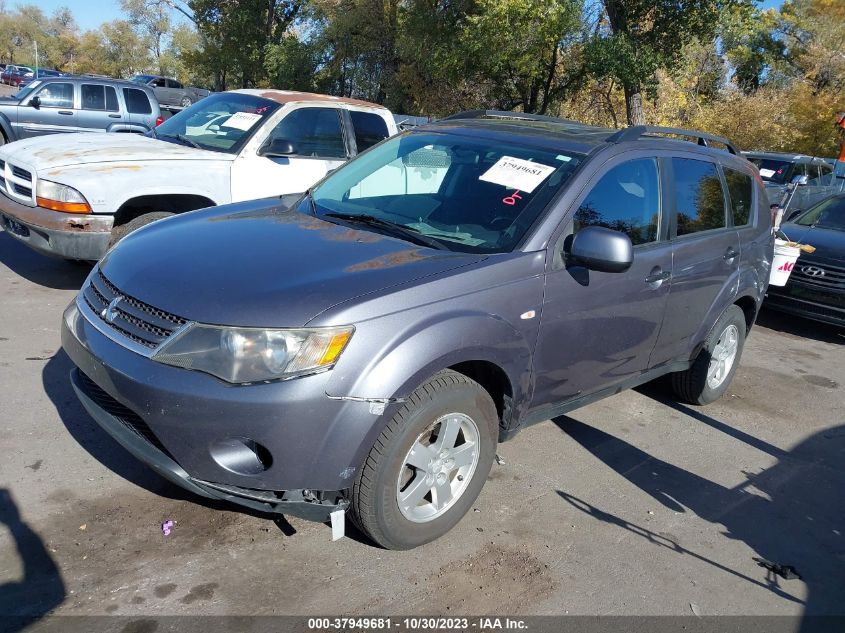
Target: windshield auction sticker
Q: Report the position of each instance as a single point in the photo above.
(516, 173)
(242, 120)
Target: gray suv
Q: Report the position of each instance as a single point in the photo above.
(78, 104)
(365, 347)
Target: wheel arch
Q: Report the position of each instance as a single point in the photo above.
(152, 203)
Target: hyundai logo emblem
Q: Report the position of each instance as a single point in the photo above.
(812, 271)
(109, 312)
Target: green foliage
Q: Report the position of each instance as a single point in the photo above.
(768, 79)
(638, 37)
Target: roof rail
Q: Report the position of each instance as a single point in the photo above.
(636, 131)
(501, 114)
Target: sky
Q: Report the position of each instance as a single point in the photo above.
(90, 14)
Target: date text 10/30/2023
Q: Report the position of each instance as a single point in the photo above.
(481, 624)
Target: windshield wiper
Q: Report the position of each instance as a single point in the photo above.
(182, 139)
(397, 230)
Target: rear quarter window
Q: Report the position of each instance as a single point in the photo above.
(137, 101)
(369, 129)
(699, 199)
(741, 192)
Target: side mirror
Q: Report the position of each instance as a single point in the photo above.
(277, 147)
(800, 181)
(602, 249)
(35, 102)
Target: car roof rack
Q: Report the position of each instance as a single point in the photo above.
(636, 131)
(501, 114)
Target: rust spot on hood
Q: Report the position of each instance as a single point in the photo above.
(391, 260)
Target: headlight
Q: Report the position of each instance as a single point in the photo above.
(52, 195)
(242, 355)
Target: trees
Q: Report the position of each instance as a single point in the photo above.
(635, 38)
(235, 36)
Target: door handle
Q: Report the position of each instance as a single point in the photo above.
(730, 254)
(65, 112)
(658, 276)
(114, 116)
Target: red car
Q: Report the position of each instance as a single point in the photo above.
(14, 75)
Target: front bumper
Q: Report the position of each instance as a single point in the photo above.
(174, 419)
(67, 235)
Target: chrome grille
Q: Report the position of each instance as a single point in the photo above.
(17, 183)
(21, 173)
(819, 275)
(133, 319)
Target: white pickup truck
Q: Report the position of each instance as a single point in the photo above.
(72, 195)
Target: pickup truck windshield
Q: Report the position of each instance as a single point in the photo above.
(220, 123)
(464, 194)
(24, 92)
(772, 170)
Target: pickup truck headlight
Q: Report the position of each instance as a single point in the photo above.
(245, 355)
(52, 195)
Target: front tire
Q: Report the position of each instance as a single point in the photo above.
(429, 464)
(119, 232)
(714, 367)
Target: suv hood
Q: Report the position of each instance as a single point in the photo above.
(260, 264)
(46, 152)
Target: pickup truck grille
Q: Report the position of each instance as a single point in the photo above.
(21, 173)
(130, 318)
(17, 183)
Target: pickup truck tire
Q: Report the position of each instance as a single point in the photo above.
(119, 232)
(441, 442)
(186, 101)
(714, 367)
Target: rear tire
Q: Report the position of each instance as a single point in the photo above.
(186, 102)
(448, 429)
(119, 232)
(714, 367)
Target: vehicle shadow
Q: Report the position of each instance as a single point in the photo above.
(801, 327)
(102, 447)
(790, 513)
(40, 269)
(41, 589)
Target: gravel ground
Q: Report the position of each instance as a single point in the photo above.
(634, 505)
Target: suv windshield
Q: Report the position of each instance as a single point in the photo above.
(221, 123)
(828, 214)
(772, 170)
(463, 194)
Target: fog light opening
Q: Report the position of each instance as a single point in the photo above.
(241, 455)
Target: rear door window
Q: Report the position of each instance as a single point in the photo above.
(626, 199)
(740, 190)
(98, 97)
(56, 95)
(314, 132)
(369, 128)
(136, 101)
(699, 199)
